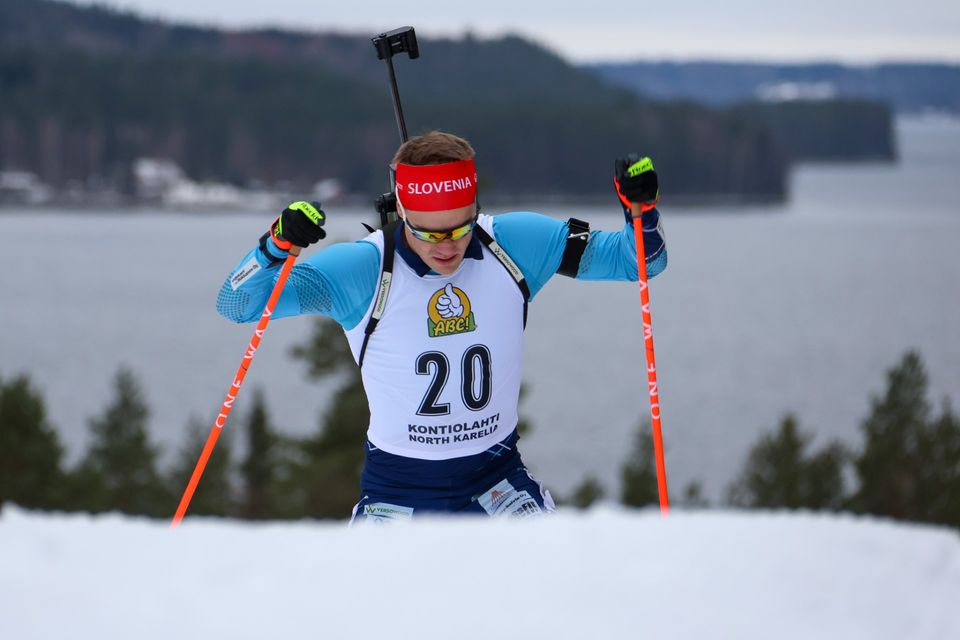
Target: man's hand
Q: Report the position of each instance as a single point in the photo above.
(300, 224)
(636, 182)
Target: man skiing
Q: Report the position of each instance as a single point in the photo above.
(434, 308)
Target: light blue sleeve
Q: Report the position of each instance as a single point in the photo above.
(536, 243)
(338, 282)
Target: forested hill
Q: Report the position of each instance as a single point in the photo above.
(86, 91)
(447, 69)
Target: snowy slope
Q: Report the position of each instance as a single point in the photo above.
(608, 574)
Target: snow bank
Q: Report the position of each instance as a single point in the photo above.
(606, 574)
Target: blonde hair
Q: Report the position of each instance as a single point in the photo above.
(435, 147)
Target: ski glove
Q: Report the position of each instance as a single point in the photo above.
(636, 182)
(300, 224)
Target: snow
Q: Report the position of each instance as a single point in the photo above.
(608, 573)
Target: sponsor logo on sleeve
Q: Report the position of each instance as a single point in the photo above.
(244, 273)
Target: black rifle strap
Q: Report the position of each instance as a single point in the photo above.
(383, 288)
(508, 264)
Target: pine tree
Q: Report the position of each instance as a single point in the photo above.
(215, 495)
(587, 493)
(938, 488)
(910, 465)
(30, 452)
(260, 471)
(778, 473)
(119, 471)
(693, 497)
(326, 477)
(891, 465)
(639, 472)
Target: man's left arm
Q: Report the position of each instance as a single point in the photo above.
(537, 242)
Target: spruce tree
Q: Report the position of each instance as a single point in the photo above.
(215, 495)
(693, 497)
(586, 493)
(259, 470)
(910, 465)
(891, 465)
(326, 477)
(639, 472)
(119, 472)
(779, 473)
(938, 488)
(30, 452)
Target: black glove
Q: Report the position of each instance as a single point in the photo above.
(636, 182)
(300, 224)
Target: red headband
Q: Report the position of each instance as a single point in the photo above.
(437, 187)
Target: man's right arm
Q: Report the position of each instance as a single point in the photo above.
(338, 282)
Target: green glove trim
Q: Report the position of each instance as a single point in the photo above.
(641, 166)
(314, 214)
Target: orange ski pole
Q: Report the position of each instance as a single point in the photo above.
(235, 387)
(637, 209)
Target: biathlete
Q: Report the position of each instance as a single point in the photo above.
(434, 308)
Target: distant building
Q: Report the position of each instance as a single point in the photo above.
(162, 181)
(327, 189)
(154, 177)
(206, 194)
(23, 187)
(790, 91)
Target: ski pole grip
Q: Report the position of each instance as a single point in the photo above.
(637, 209)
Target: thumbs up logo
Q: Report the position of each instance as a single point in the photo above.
(449, 313)
(449, 304)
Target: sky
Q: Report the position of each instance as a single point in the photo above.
(851, 31)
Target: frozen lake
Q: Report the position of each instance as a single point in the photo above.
(800, 307)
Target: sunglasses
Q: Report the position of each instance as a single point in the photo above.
(435, 237)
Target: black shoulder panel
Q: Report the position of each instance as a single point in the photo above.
(576, 244)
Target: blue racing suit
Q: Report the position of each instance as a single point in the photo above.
(340, 281)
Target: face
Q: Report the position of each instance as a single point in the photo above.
(445, 256)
